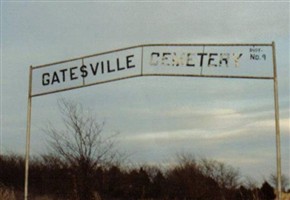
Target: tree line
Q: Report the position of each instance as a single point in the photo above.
(188, 180)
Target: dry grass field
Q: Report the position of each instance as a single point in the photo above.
(7, 194)
(286, 196)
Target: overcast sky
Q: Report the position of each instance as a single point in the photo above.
(230, 120)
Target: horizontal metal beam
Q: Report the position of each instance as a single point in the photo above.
(172, 75)
(214, 76)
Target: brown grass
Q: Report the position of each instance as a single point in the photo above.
(7, 194)
(285, 196)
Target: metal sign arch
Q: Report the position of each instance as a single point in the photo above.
(238, 61)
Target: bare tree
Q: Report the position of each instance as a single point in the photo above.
(284, 181)
(81, 145)
(225, 175)
(250, 183)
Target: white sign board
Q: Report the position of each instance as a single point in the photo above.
(86, 71)
(209, 60)
(246, 61)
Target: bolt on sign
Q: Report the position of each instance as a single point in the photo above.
(248, 61)
(152, 60)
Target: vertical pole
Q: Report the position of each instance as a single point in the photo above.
(277, 125)
(28, 135)
(142, 52)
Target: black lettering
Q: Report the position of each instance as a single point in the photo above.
(108, 66)
(54, 78)
(84, 71)
(45, 81)
(178, 60)
(63, 74)
(128, 61)
(253, 57)
(151, 60)
(189, 58)
(201, 58)
(237, 58)
(102, 66)
(72, 74)
(212, 59)
(118, 65)
(94, 70)
(165, 58)
(224, 57)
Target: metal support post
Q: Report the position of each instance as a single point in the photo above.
(277, 125)
(28, 135)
